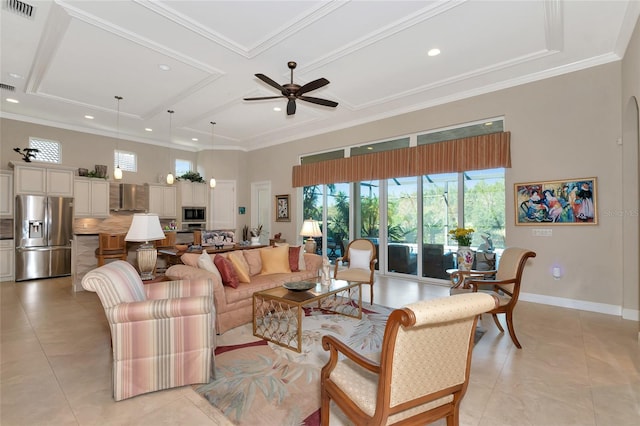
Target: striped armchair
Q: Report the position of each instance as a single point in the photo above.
(423, 369)
(162, 334)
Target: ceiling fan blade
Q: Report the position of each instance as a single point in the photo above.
(264, 97)
(291, 106)
(319, 101)
(270, 82)
(312, 85)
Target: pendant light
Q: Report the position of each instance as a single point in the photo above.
(212, 181)
(117, 173)
(170, 175)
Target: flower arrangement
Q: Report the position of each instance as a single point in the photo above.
(462, 236)
(255, 232)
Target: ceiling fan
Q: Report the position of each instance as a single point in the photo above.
(294, 91)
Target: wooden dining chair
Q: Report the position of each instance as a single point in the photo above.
(111, 246)
(505, 286)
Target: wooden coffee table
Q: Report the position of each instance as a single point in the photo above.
(278, 312)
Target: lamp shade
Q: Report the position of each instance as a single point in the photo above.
(145, 227)
(117, 173)
(310, 228)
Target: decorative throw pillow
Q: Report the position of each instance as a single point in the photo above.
(204, 262)
(190, 259)
(294, 258)
(359, 259)
(275, 260)
(253, 260)
(229, 275)
(241, 266)
(301, 265)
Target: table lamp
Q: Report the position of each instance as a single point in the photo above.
(311, 229)
(145, 227)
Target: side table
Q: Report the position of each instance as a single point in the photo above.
(157, 279)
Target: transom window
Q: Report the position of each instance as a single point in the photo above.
(183, 166)
(49, 151)
(127, 161)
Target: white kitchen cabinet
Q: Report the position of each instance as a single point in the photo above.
(7, 255)
(91, 197)
(43, 180)
(193, 194)
(6, 194)
(162, 200)
(60, 182)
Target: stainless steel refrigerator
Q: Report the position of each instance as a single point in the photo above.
(44, 230)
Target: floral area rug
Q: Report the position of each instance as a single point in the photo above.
(261, 383)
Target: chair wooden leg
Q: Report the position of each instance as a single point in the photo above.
(495, 319)
(371, 293)
(324, 409)
(512, 331)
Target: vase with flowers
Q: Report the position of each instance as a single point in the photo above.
(255, 235)
(465, 255)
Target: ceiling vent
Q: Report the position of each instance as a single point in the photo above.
(19, 8)
(7, 87)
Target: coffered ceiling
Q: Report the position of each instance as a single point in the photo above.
(70, 58)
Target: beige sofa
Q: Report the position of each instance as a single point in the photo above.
(234, 306)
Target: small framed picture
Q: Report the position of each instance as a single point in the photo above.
(282, 208)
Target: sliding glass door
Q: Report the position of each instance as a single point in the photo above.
(402, 225)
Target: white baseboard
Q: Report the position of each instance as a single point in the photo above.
(603, 308)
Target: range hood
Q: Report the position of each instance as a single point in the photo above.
(127, 197)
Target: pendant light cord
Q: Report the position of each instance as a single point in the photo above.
(212, 181)
(118, 172)
(170, 175)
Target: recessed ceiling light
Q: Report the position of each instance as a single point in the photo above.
(89, 117)
(277, 109)
(13, 101)
(433, 52)
(14, 75)
(164, 67)
(148, 129)
(194, 139)
(370, 148)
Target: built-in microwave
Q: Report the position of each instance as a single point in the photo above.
(194, 214)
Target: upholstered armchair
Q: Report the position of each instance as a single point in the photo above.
(505, 286)
(360, 256)
(162, 334)
(422, 372)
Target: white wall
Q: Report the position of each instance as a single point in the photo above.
(629, 219)
(562, 128)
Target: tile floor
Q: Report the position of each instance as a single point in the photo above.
(576, 368)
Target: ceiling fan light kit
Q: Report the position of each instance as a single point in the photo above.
(293, 91)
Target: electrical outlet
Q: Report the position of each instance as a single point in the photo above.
(542, 232)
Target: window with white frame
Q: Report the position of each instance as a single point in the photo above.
(48, 151)
(127, 161)
(182, 167)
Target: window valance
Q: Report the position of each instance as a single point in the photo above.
(472, 153)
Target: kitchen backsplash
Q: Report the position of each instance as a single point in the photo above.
(116, 222)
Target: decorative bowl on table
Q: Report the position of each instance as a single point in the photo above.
(299, 286)
(181, 247)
